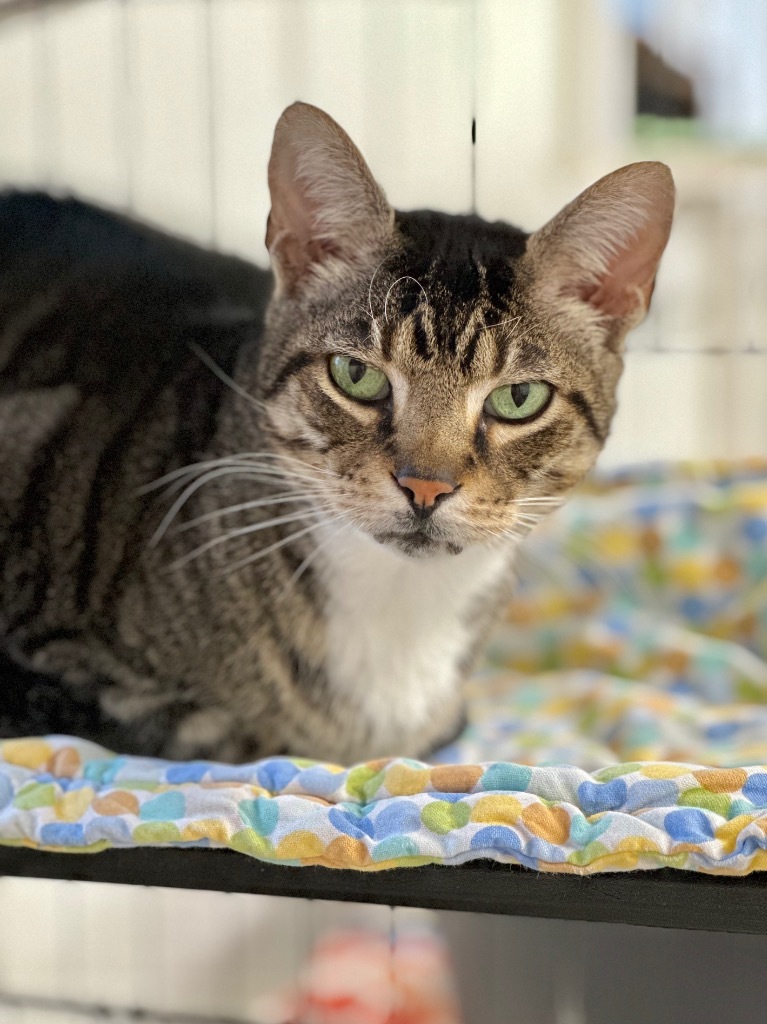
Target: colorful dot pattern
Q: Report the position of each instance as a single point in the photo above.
(621, 722)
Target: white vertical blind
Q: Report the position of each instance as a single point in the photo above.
(167, 107)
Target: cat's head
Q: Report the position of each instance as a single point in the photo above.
(443, 375)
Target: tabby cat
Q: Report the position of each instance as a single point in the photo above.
(242, 515)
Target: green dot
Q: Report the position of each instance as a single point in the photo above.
(250, 842)
(588, 854)
(362, 783)
(614, 771)
(157, 832)
(443, 817)
(719, 803)
(37, 794)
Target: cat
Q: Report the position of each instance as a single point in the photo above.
(246, 514)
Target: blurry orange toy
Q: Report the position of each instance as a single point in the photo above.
(361, 977)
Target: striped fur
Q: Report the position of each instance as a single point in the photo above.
(202, 550)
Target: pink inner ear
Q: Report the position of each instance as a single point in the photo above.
(629, 279)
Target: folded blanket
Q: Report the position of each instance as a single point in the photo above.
(621, 721)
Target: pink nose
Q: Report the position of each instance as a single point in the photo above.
(424, 492)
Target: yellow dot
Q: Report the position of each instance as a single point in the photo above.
(690, 572)
(618, 544)
(206, 828)
(72, 806)
(496, 810)
(636, 844)
(26, 753)
(729, 833)
(402, 780)
(664, 771)
(300, 845)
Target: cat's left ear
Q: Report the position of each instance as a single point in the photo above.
(328, 213)
(601, 253)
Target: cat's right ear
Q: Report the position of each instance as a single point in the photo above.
(598, 258)
(328, 213)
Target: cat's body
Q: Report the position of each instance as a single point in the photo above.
(385, 527)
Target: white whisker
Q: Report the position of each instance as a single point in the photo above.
(241, 531)
(501, 323)
(195, 486)
(370, 288)
(267, 473)
(240, 459)
(315, 551)
(263, 552)
(203, 356)
(184, 471)
(405, 277)
(244, 506)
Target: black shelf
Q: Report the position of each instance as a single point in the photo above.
(664, 899)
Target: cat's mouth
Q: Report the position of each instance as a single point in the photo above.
(419, 542)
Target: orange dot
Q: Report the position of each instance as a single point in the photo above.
(119, 801)
(649, 541)
(677, 661)
(727, 570)
(345, 852)
(550, 823)
(64, 762)
(721, 780)
(455, 778)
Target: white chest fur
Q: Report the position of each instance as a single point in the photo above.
(397, 628)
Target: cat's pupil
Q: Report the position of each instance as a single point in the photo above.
(357, 370)
(519, 393)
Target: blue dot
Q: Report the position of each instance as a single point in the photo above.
(688, 826)
(755, 530)
(543, 850)
(103, 772)
(583, 832)
(681, 685)
(647, 511)
(693, 608)
(722, 730)
(110, 828)
(497, 838)
(165, 807)
(318, 781)
(350, 823)
(233, 773)
(194, 771)
(740, 807)
(395, 848)
(397, 818)
(276, 774)
(594, 797)
(514, 778)
(6, 791)
(62, 833)
(262, 814)
(755, 789)
(651, 793)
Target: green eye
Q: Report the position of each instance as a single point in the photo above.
(359, 380)
(518, 402)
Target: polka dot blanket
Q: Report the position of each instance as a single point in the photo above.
(620, 721)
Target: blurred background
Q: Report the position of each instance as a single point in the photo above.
(165, 109)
